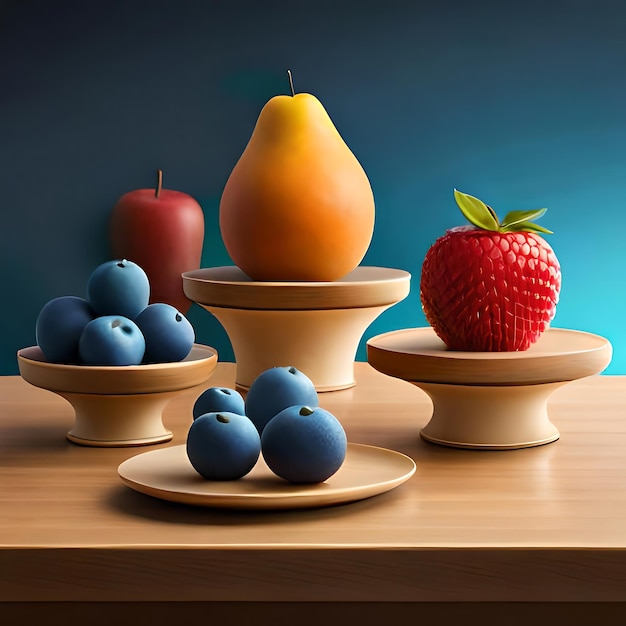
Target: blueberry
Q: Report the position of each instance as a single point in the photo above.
(304, 445)
(223, 445)
(217, 399)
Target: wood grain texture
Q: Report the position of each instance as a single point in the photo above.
(419, 355)
(228, 287)
(312, 613)
(167, 474)
(541, 524)
(194, 369)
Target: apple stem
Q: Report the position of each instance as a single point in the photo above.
(159, 183)
(293, 93)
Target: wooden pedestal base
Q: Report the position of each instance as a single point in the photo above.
(114, 421)
(497, 418)
(489, 400)
(321, 343)
(315, 327)
(118, 406)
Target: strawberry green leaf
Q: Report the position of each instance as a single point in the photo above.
(517, 217)
(528, 227)
(476, 211)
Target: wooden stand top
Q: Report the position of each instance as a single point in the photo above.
(229, 287)
(543, 523)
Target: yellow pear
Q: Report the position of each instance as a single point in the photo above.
(297, 206)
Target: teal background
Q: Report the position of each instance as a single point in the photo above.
(520, 103)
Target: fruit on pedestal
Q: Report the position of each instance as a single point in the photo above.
(298, 205)
(118, 287)
(216, 399)
(162, 230)
(304, 445)
(276, 389)
(223, 445)
(115, 325)
(492, 286)
(59, 326)
(111, 340)
(168, 333)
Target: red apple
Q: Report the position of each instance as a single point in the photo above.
(161, 230)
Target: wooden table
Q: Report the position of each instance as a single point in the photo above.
(534, 534)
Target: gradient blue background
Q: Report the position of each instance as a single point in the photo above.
(520, 103)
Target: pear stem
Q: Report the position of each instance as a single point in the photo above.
(293, 93)
(159, 183)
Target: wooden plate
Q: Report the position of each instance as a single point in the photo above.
(418, 355)
(167, 474)
(229, 287)
(194, 369)
(489, 400)
(118, 406)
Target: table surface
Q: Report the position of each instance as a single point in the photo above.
(543, 524)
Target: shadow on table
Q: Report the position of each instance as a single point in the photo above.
(133, 503)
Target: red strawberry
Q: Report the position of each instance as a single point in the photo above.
(493, 286)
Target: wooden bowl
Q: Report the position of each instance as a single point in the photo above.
(118, 406)
(314, 326)
(489, 400)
